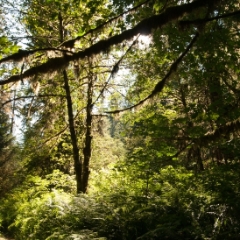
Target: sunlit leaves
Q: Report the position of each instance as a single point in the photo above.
(7, 47)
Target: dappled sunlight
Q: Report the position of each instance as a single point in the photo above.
(129, 119)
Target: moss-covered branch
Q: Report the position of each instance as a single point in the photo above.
(160, 85)
(144, 27)
(204, 20)
(70, 43)
(224, 130)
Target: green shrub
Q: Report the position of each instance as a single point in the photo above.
(177, 205)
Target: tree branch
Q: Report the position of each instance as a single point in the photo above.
(144, 27)
(26, 97)
(204, 20)
(115, 70)
(224, 130)
(70, 43)
(160, 85)
(21, 54)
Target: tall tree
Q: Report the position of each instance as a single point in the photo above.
(71, 87)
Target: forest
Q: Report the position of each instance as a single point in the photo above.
(120, 119)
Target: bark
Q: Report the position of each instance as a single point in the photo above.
(200, 166)
(13, 110)
(76, 155)
(87, 151)
(75, 149)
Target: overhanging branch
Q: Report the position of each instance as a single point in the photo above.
(26, 97)
(160, 85)
(70, 43)
(204, 20)
(224, 130)
(21, 54)
(144, 27)
(115, 70)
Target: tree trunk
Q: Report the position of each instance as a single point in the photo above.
(75, 149)
(76, 155)
(87, 151)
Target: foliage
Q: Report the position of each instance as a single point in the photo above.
(35, 203)
(9, 156)
(178, 205)
(170, 168)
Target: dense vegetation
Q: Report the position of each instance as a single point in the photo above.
(120, 119)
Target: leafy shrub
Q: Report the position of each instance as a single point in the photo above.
(35, 208)
(177, 205)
